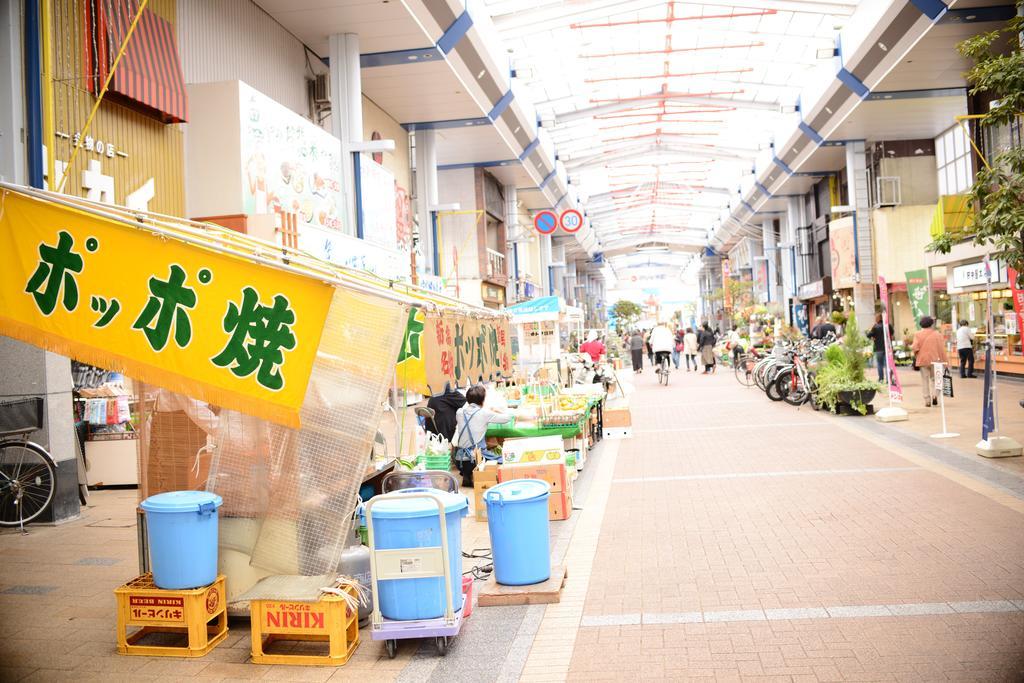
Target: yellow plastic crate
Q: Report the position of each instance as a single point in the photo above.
(329, 620)
(198, 613)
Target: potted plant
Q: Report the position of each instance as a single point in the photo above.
(840, 379)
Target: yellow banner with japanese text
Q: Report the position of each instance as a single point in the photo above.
(208, 324)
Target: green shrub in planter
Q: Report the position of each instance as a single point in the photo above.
(840, 378)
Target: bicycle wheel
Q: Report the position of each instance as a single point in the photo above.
(744, 371)
(664, 371)
(791, 388)
(27, 482)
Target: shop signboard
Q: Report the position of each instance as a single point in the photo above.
(919, 293)
(290, 164)
(452, 349)
(800, 316)
(377, 205)
(841, 246)
(352, 252)
(812, 290)
(211, 325)
(973, 274)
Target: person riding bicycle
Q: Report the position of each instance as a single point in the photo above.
(662, 343)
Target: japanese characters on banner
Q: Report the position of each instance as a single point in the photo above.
(895, 386)
(918, 293)
(441, 349)
(800, 316)
(207, 324)
(1018, 299)
(473, 350)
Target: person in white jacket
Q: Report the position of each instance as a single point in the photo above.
(662, 342)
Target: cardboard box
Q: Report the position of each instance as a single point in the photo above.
(479, 505)
(617, 417)
(553, 474)
(559, 505)
(538, 449)
(488, 474)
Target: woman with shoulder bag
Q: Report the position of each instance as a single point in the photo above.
(929, 347)
(471, 435)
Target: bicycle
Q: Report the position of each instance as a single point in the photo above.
(28, 475)
(663, 368)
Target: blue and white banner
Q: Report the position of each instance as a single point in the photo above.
(800, 316)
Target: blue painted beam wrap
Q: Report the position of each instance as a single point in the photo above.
(477, 164)
(529, 149)
(447, 42)
(501, 105)
(806, 129)
(933, 9)
(782, 164)
(33, 94)
(853, 83)
(451, 123)
(399, 57)
(547, 179)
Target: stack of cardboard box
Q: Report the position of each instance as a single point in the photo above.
(555, 474)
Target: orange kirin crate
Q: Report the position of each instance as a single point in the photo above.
(187, 612)
(328, 620)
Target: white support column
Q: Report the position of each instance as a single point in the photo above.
(545, 265)
(512, 235)
(771, 253)
(426, 193)
(346, 113)
(857, 189)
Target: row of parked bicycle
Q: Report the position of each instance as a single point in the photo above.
(786, 373)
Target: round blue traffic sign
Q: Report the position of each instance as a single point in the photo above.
(545, 222)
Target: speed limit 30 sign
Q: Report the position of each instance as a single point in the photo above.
(571, 220)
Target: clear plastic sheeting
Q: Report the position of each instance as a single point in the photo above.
(288, 493)
(302, 485)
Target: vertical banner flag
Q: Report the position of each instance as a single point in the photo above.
(1018, 298)
(726, 293)
(988, 408)
(918, 291)
(800, 314)
(895, 387)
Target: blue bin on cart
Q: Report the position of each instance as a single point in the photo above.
(517, 519)
(416, 523)
(182, 530)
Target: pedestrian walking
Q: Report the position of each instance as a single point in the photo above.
(965, 349)
(680, 345)
(648, 347)
(691, 348)
(707, 341)
(877, 336)
(636, 350)
(928, 347)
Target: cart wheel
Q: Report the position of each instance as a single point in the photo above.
(441, 642)
(392, 647)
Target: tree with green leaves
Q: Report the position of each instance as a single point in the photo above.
(997, 197)
(626, 313)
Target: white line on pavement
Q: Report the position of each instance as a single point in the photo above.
(748, 475)
(836, 612)
(732, 426)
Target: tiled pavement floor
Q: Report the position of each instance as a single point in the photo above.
(748, 540)
(729, 539)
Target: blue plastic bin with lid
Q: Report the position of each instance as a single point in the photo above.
(401, 520)
(517, 519)
(182, 531)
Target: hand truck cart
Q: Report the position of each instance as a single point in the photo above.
(432, 561)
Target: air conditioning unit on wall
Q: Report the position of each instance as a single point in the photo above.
(888, 191)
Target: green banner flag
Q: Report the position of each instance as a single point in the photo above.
(919, 293)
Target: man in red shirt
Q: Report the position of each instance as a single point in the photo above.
(593, 347)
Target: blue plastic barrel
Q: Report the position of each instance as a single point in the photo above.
(517, 518)
(403, 521)
(182, 531)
